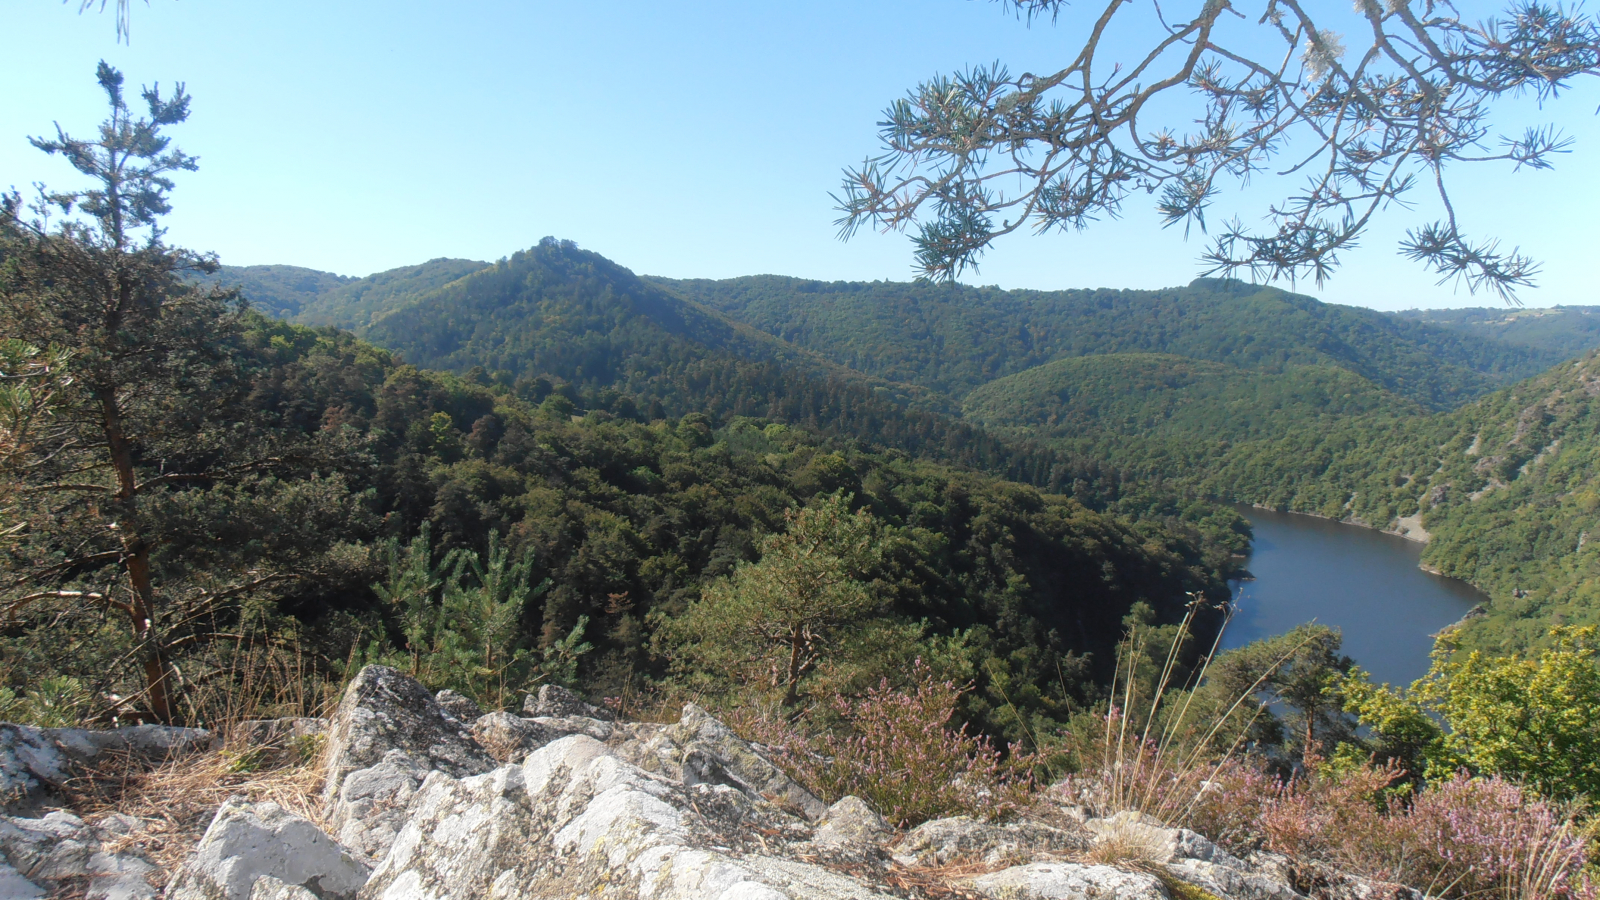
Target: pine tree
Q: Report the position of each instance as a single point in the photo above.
(147, 490)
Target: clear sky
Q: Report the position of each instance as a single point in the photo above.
(681, 139)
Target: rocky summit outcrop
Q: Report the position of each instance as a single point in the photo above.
(428, 798)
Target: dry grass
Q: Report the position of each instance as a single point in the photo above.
(1125, 842)
(174, 800)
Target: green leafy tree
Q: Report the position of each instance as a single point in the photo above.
(1529, 717)
(781, 617)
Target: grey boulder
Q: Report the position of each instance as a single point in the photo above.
(458, 706)
(509, 739)
(556, 702)
(851, 824)
(384, 710)
(576, 820)
(43, 856)
(35, 762)
(371, 807)
(247, 842)
(700, 749)
(1070, 881)
(964, 839)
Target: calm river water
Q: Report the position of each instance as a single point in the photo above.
(1363, 582)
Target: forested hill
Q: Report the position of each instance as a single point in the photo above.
(557, 309)
(556, 315)
(953, 338)
(1564, 330)
(310, 297)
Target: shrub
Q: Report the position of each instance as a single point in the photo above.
(1461, 838)
(896, 750)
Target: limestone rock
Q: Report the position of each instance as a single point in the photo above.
(1069, 881)
(35, 762)
(1233, 882)
(556, 702)
(457, 706)
(599, 729)
(575, 820)
(510, 739)
(384, 710)
(963, 838)
(371, 807)
(246, 842)
(269, 888)
(699, 749)
(14, 887)
(57, 851)
(852, 824)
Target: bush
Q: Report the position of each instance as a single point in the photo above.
(896, 750)
(1465, 837)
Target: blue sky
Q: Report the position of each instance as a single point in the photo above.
(688, 140)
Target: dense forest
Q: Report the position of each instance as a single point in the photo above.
(952, 338)
(620, 514)
(1157, 405)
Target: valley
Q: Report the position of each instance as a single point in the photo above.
(1164, 405)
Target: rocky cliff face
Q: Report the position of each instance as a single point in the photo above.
(426, 798)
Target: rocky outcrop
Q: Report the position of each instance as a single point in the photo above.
(556, 702)
(36, 762)
(59, 854)
(248, 842)
(1070, 881)
(457, 706)
(963, 839)
(426, 800)
(699, 749)
(386, 736)
(509, 739)
(852, 826)
(384, 711)
(575, 819)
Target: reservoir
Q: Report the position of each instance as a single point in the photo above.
(1364, 582)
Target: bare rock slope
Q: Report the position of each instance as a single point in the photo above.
(428, 799)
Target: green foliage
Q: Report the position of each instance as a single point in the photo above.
(54, 701)
(777, 619)
(952, 339)
(1530, 718)
(310, 297)
(1566, 331)
(159, 495)
(460, 620)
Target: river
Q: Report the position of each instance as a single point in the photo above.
(1363, 582)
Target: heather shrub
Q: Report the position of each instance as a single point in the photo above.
(896, 749)
(1461, 838)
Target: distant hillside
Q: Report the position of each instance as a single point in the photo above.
(556, 314)
(1169, 416)
(310, 297)
(280, 291)
(1567, 331)
(952, 338)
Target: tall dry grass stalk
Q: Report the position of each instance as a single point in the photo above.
(171, 802)
(1160, 768)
